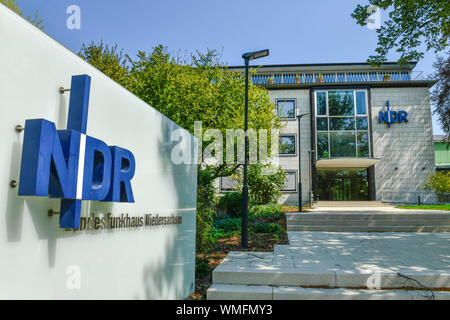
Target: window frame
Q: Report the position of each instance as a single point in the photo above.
(295, 108)
(295, 172)
(295, 145)
(355, 116)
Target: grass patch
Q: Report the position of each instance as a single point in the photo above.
(445, 207)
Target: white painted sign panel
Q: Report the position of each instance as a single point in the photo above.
(40, 260)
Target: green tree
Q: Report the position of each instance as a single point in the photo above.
(410, 24)
(197, 88)
(187, 90)
(265, 182)
(413, 25)
(35, 20)
(109, 60)
(440, 95)
(264, 187)
(439, 184)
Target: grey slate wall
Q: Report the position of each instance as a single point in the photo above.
(406, 150)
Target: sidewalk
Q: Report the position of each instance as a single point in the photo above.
(343, 261)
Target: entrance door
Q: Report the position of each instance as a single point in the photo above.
(342, 185)
(341, 189)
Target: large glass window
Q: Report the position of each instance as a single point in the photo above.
(363, 144)
(342, 144)
(340, 103)
(287, 145)
(361, 123)
(322, 145)
(321, 103)
(286, 108)
(361, 102)
(342, 125)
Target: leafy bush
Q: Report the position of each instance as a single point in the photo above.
(229, 224)
(205, 237)
(264, 183)
(231, 203)
(273, 211)
(204, 227)
(438, 183)
(201, 267)
(264, 227)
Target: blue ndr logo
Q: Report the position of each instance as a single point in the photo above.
(392, 116)
(70, 165)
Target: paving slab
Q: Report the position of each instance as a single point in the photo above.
(249, 292)
(400, 252)
(344, 259)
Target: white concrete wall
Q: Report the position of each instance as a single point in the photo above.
(291, 126)
(148, 263)
(405, 146)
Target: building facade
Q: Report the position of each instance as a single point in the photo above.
(442, 153)
(366, 133)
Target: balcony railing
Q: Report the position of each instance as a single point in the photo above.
(336, 77)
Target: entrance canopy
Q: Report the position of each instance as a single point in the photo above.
(355, 163)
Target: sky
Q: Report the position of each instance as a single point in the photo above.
(295, 31)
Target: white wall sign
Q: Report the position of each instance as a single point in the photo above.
(114, 260)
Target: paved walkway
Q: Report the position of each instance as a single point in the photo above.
(355, 254)
(391, 252)
(344, 265)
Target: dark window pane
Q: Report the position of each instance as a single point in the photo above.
(342, 144)
(361, 102)
(321, 103)
(322, 145)
(287, 144)
(361, 123)
(342, 123)
(363, 144)
(322, 124)
(286, 108)
(340, 103)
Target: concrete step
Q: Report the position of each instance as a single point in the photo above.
(323, 277)
(357, 204)
(404, 222)
(299, 217)
(369, 222)
(261, 292)
(368, 228)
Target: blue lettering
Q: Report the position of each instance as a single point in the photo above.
(383, 116)
(70, 165)
(402, 116)
(123, 172)
(49, 161)
(394, 116)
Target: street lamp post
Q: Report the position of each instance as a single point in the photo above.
(300, 200)
(310, 176)
(247, 57)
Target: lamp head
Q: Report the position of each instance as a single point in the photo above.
(255, 54)
(303, 115)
